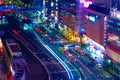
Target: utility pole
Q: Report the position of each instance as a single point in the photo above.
(80, 18)
(43, 10)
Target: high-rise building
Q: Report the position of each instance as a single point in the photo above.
(68, 17)
(102, 20)
(67, 14)
(112, 31)
(113, 36)
(94, 26)
(50, 8)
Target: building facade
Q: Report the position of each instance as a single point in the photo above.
(50, 8)
(66, 12)
(113, 38)
(94, 25)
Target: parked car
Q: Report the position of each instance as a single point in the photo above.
(79, 50)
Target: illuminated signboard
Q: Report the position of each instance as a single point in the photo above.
(115, 13)
(86, 3)
(91, 17)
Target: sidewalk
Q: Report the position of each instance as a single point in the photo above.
(116, 71)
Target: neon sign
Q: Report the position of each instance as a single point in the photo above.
(115, 13)
(87, 3)
(90, 16)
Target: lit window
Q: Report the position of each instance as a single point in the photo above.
(52, 14)
(52, 4)
(56, 4)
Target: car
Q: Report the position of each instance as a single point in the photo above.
(79, 50)
(70, 57)
(82, 53)
(99, 65)
(48, 37)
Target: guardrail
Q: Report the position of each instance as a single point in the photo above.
(34, 56)
(70, 75)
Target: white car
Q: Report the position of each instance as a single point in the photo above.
(99, 65)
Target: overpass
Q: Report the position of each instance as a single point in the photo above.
(10, 8)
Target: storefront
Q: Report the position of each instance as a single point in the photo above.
(113, 37)
(95, 50)
(114, 40)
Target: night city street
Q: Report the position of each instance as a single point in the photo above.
(59, 39)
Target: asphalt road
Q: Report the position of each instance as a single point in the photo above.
(90, 70)
(73, 69)
(55, 70)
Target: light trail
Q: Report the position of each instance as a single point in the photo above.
(70, 75)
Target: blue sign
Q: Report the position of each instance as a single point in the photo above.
(82, 30)
(92, 18)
